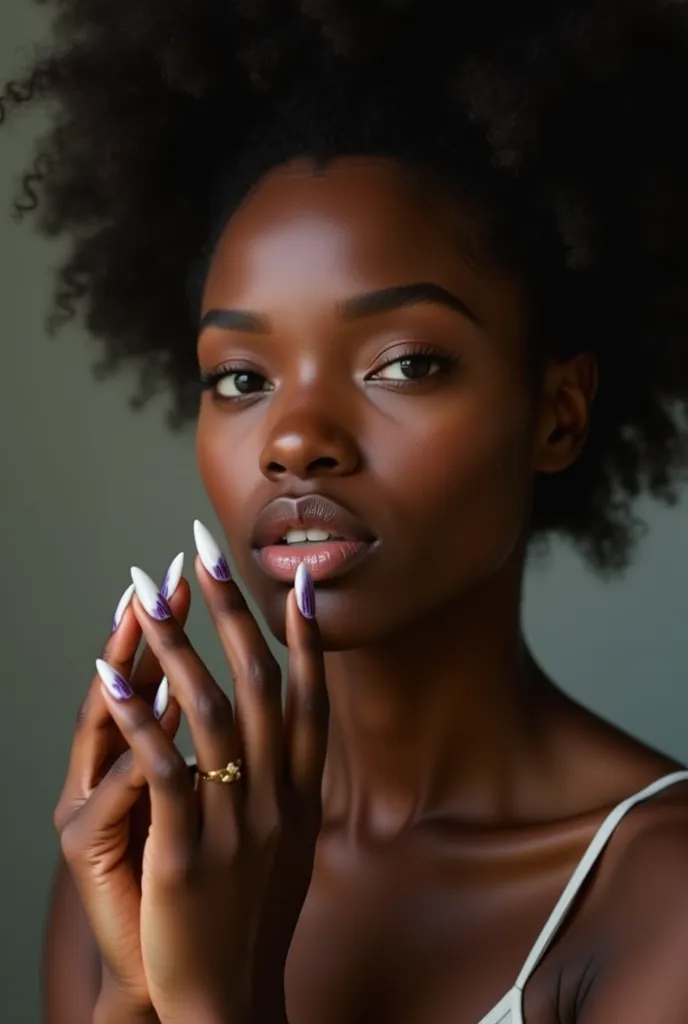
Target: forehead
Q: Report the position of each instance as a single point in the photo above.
(361, 223)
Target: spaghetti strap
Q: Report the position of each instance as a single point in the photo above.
(586, 864)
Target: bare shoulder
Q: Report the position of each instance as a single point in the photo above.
(634, 968)
(641, 929)
(651, 872)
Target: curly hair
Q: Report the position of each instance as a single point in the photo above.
(563, 119)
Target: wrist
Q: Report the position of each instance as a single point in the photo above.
(113, 1010)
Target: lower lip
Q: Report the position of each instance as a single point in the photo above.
(324, 560)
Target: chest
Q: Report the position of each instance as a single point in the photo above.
(436, 945)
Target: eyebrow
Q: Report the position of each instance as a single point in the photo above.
(358, 307)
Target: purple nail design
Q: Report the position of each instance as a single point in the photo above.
(305, 591)
(115, 684)
(211, 554)
(221, 570)
(149, 595)
(162, 610)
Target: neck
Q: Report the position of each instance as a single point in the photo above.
(441, 720)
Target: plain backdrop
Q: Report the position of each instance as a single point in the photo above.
(89, 488)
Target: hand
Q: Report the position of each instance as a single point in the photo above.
(104, 857)
(227, 867)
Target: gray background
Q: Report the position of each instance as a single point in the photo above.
(89, 488)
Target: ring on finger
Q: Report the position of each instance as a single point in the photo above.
(231, 773)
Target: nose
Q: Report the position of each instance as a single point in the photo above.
(309, 445)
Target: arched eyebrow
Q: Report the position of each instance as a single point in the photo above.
(384, 300)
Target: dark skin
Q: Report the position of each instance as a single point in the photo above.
(461, 787)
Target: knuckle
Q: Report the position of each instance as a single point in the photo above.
(212, 708)
(169, 772)
(60, 818)
(72, 841)
(263, 676)
(122, 766)
(172, 639)
(177, 869)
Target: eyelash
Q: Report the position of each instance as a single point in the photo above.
(445, 361)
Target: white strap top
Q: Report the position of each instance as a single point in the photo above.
(509, 1010)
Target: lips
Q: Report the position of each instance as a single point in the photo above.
(348, 543)
(314, 511)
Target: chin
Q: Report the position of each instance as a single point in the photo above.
(345, 621)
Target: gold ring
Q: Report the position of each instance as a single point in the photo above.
(232, 773)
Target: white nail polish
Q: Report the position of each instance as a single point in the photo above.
(172, 576)
(115, 684)
(210, 554)
(162, 698)
(121, 607)
(149, 595)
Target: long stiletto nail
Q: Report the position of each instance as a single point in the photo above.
(149, 595)
(121, 607)
(172, 576)
(115, 684)
(209, 553)
(162, 698)
(305, 591)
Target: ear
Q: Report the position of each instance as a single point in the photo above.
(568, 392)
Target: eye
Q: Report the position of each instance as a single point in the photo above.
(411, 367)
(240, 382)
(234, 382)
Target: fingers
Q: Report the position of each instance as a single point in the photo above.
(97, 742)
(206, 707)
(307, 709)
(92, 749)
(177, 592)
(267, 745)
(257, 684)
(173, 809)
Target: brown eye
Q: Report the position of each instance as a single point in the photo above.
(240, 382)
(410, 368)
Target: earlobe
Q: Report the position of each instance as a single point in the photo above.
(569, 391)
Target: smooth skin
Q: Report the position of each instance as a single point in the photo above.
(460, 786)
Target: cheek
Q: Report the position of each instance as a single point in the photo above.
(471, 480)
(227, 469)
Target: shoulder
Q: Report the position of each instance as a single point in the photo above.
(642, 933)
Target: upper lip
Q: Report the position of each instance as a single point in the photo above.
(313, 511)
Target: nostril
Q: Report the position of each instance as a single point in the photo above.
(277, 468)
(325, 462)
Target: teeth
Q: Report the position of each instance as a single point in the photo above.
(317, 535)
(304, 536)
(296, 537)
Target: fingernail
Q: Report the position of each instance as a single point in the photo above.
(149, 595)
(116, 685)
(162, 698)
(305, 591)
(209, 553)
(172, 576)
(121, 607)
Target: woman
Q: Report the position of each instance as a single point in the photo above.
(431, 265)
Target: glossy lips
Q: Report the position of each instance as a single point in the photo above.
(351, 540)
